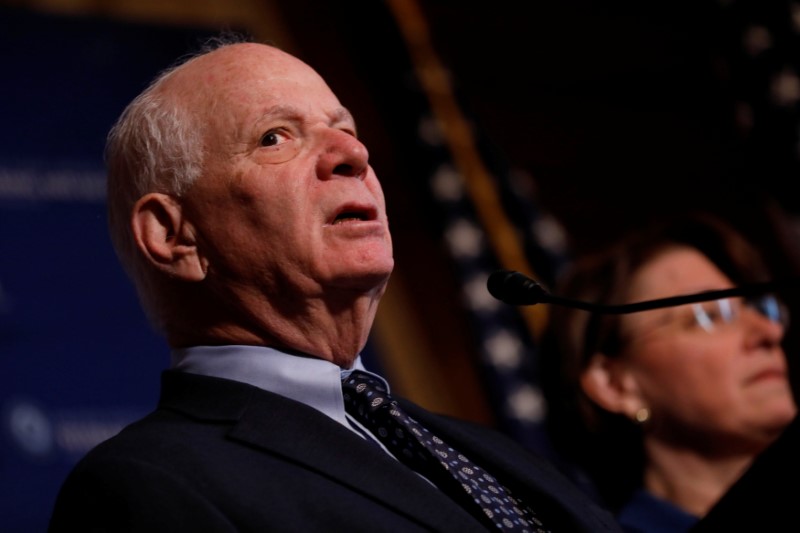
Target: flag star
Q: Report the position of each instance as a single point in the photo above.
(756, 39)
(550, 234)
(429, 131)
(527, 403)
(477, 295)
(464, 238)
(504, 349)
(785, 88)
(447, 184)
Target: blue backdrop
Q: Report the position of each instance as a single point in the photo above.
(77, 358)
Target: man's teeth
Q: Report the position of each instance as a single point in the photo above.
(346, 219)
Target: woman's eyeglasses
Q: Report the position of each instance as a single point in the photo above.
(714, 314)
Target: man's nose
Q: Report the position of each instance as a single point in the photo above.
(343, 156)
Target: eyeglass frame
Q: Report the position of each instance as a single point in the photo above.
(612, 341)
(768, 305)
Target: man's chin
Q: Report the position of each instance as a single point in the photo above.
(363, 280)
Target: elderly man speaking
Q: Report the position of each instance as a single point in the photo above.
(242, 204)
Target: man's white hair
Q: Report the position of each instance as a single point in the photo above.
(156, 145)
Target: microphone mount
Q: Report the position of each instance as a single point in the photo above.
(515, 288)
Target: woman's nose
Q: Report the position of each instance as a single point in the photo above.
(762, 328)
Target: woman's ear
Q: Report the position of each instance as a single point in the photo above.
(166, 238)
(611, 384)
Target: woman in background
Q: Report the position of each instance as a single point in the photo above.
(664, 409)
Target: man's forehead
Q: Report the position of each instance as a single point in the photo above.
(261, 60)
(242, 52)
(252, 76)
(240, 63)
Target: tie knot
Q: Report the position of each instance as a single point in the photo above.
(363, 391)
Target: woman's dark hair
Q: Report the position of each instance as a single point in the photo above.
(604, 446)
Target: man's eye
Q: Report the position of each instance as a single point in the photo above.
(272, 138)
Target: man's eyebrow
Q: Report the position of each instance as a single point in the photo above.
(342, 114)
(338, 116)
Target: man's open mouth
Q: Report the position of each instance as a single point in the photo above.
(354, 214)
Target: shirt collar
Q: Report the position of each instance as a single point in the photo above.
(312, 381)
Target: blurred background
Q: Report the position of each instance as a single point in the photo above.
(506, 135)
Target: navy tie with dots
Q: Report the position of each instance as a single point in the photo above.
(367, 400)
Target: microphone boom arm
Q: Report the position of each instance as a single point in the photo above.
(517, 289)
(705, 296)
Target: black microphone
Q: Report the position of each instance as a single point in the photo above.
(516, 288)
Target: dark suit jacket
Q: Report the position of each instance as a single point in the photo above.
(218, 455)
(765, 497)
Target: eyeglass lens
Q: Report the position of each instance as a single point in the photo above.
(727, 310)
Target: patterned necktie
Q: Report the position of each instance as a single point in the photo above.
(367, 400)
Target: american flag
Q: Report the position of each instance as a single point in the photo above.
(491, 221)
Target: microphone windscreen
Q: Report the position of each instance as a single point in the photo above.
(497, 283)
(515, 288)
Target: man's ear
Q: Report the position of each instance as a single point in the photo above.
(166, 237)
(609, 382)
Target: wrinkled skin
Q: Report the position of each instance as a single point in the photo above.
(284, 239)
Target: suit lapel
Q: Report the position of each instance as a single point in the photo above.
(305, 436)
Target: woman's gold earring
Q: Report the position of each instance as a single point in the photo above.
(642, 415)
